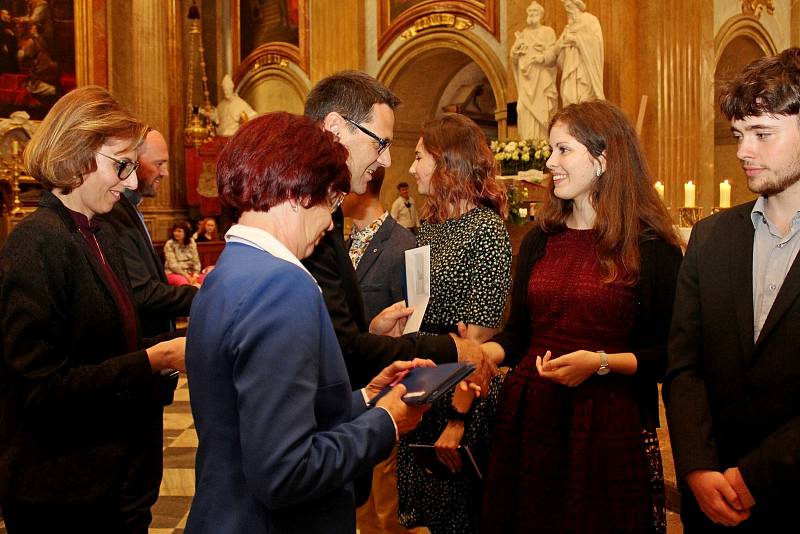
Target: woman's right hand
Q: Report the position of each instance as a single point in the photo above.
(447, 445)
(168, 355)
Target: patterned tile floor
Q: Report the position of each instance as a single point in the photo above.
(180, 445)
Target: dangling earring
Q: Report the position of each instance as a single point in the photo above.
(294, 207)
(598, 172)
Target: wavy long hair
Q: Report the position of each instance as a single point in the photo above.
(627, 205)
(465, 169)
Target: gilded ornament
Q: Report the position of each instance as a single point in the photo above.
(755, 7)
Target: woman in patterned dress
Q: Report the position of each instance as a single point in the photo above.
(574, 447)
(470, 280)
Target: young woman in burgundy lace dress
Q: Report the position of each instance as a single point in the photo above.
(574, 447)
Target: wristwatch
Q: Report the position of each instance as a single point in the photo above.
(455, 415)
(604, 368)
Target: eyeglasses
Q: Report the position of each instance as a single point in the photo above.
(335, 199)
(124, 168)
(383, 143)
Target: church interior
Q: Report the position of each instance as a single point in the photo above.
(662, 63)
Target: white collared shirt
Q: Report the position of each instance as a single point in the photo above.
(261, 239)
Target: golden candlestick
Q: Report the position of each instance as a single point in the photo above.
(689, 216)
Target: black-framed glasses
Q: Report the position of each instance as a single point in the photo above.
(335, 199)
(383, 143)
(124, 168)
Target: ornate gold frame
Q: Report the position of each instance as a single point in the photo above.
(274, 54)
(485, 12)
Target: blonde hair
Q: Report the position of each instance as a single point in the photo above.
(63, 148)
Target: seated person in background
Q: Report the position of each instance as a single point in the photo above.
(206, 231)
(281, 434)
(182, 263)
(376, 247)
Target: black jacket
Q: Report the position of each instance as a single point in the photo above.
(77, 413)
(365, 354)
(157, 302)
(732, 401)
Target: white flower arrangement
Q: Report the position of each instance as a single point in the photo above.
(514, 156)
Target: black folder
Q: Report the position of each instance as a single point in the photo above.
(425, 385)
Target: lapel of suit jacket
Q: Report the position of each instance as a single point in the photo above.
(136, 219)
(788, 294)
(740, 267)
(374, 248)
(51, 201)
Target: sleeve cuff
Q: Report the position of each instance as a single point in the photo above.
(396, 431)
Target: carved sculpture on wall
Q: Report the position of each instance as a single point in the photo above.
(535, 76)
(231, 111)
(580, 55)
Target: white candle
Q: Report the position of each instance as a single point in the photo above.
(725, 194)
(688, 194)
(660, 190)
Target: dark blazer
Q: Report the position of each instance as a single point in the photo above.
(658, 270)
(365, 354)
(75, 406)
(158, 302)
(381, 273)
(730, 401)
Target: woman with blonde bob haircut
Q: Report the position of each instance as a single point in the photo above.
(462, 221)
(81, 397)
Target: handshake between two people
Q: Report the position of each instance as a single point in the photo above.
(392, 321)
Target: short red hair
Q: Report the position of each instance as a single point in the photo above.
(279, 156)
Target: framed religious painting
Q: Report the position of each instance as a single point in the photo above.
(37, 54)
(268, 32)
(395, 17)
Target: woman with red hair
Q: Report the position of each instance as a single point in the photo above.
(462, 221)
(281, 434)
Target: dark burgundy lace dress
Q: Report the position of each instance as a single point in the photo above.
(573, 459)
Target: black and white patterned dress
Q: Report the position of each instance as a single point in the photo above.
(470, 280)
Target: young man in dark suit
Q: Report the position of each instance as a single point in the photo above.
(157, 302)
(732, 388)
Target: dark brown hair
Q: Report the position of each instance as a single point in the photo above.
(627, 205)
(187, 231)
(62, 150)
(768, 85)
(279, 156)
(465, 168)
(350, 93)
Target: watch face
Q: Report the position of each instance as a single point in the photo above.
(603, 371)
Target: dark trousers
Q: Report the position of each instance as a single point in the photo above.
(98, 517)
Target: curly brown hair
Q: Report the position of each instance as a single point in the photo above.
(465, 168)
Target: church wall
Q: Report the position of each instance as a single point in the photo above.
(664, 50)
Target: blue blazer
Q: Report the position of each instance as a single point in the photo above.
(281, 434)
